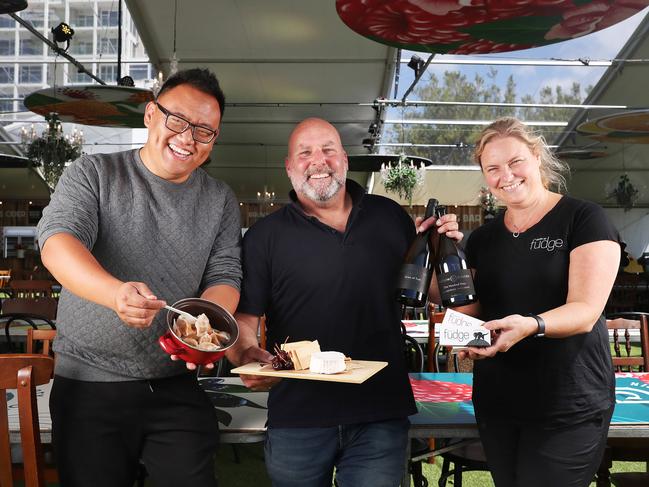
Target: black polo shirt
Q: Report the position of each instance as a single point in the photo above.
(313, 282)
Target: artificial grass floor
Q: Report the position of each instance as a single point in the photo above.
(251, 472)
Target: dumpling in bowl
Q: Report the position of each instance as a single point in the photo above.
(182, 327)
(208, 346)
(207, 338)
(200, 334)
(202, 325)
(220, 338)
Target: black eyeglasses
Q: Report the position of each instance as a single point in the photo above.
(178, 124)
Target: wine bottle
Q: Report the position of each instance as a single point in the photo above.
(454, 278)
(417, 268)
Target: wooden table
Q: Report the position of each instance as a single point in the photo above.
(446, 411)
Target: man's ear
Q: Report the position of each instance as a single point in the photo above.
(148, 113)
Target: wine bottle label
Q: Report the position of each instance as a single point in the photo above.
(415, 278)
(455, 283)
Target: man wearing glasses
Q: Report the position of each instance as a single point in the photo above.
(126, 233)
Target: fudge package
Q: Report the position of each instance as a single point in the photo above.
(460, 330)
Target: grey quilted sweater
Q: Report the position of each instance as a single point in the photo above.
(179, 239)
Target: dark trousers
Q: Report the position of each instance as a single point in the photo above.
(101, 430)
(535, 455)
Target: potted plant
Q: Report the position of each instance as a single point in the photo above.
(487, 202)
(402, 178)
(624, 193)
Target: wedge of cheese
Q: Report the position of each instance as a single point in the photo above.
(300, 352)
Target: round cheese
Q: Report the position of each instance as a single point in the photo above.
(327, 362)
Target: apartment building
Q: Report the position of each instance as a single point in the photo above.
(27, 64)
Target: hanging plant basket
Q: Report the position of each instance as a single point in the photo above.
(487, 202)
(403, 178)
(52, 151)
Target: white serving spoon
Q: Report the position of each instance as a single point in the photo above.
(191, 318)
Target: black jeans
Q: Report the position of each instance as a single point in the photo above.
(535, 455)
(101, 430)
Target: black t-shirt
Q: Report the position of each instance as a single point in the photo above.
(313, 282)
(540, 379)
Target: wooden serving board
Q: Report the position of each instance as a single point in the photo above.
(358, 371)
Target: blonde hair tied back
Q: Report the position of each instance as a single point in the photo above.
(552, 169)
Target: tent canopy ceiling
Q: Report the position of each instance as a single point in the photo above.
(278, 62)
(622, 84)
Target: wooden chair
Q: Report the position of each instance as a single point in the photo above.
(439, 358)
(5, 292)
(636, 322)
(31, 288)
(624, 325)
(42, 308)
(33, 312)
(5, 275)
(42, 337)
(23, 372)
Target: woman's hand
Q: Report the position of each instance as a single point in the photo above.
(445, 224)
(505, 333)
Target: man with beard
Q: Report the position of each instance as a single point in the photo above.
(324, 267)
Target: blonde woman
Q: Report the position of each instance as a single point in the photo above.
(544, 267)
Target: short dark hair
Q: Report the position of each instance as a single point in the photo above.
(200, 78)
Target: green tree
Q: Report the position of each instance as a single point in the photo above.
(454, 86)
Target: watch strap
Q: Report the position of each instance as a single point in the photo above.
(540, 331)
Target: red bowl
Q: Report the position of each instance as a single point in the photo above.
(220, 319)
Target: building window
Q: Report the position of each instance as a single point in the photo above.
(35, 17)
(31, 74)
(56, 15)
(77, 77)
(7, 75)
(81, 47)
(108, 72)
(108, 18)
(139, 71)
(6, 21)
(29, 47)
(108, 45)
(81, 20)
(7, 47)
(6, 106)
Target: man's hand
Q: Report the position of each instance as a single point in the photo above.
(446, 224)
(257, 382)
(136, 305)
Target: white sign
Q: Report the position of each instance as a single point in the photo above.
(460, 330)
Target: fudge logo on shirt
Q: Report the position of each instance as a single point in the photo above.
(545, 243)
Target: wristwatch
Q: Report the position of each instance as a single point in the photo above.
(540, 331)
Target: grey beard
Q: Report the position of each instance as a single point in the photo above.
(313, 195)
